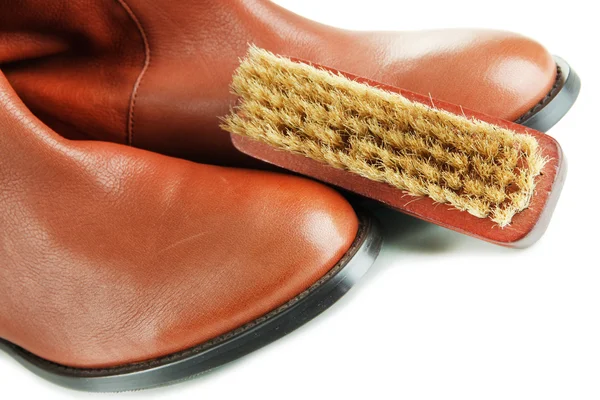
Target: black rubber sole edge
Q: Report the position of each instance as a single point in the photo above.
(557, 103)
(250, 337)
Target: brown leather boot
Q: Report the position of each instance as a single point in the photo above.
(122, 269)
(156, 74)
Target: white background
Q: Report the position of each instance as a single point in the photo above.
(441, 315)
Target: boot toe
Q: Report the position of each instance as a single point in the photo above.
(284, 235)
(498, 73)
(266, 240)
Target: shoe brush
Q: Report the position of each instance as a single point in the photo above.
(457, 168)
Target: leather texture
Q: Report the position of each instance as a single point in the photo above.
(111, 255)
(155, 74)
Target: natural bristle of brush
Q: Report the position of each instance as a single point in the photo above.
(472, 165)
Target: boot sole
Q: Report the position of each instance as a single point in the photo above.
(557, 103)
(228, 347)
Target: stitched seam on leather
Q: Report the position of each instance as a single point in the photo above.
(364, 228)
(542, 103)
(138, 81)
